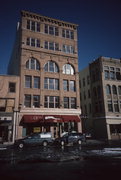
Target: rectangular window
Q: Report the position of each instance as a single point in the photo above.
(32, 42)
(37, 82)
(73, 103)
(36, 100)
(65, 85)
(72, 85)
(106, 74)
(28, 81)
(68, 49)
(50, 83)
(12, 87)
(51, 45)
(66, 102)
(67, 34)
(51, 102)
(116, 107)
(110, 106)
(51, 30)
(34, 26)
(27, 100)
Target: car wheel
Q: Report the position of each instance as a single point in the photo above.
(45, 143)
(21, 145)
(79, 142)
(62, 143)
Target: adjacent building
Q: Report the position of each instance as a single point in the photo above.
(44, 62)
(100, 85)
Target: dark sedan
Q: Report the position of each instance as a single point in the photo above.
(73, 137)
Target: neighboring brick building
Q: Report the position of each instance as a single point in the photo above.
(45, 56)
(9, 101)
(101, 98)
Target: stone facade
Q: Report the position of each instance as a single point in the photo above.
(45, 56)
(104, 119)
(9, 102)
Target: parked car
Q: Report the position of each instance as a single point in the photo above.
(35, 139)
(73, 137)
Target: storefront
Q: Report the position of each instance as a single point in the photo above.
(56, 124)
(6, 128)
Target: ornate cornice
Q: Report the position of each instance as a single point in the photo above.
(49, 20)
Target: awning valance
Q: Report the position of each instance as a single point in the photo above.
(32, 119)
(49, 119)
(70, 118)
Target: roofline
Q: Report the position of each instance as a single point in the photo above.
(23, 12)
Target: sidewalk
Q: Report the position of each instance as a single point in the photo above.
(5, 145)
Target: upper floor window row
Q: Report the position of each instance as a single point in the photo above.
(33, 42)
(50, 66)
(113, 90)
(33, 26)
(112, 73)
(48, 29)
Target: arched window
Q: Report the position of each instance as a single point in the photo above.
(114, 89)
(119, 90)
(51, 66)
(108, 89)
(33, 64)
(68, 69)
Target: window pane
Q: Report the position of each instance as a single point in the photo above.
(36, 101)
(72, 85)
(66, 102)
(28, 81)
(65, 85)
(32, 64)
(73, 102)
(12, 87)
(37, 82)
(27, 101)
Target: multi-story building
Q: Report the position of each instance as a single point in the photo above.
(9, 100)
(45, 57)
(101, 98)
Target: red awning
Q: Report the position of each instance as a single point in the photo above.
(70, 118)
(48, 119)
(32, 119)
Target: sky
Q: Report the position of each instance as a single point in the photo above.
(99, 31)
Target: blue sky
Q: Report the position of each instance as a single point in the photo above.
(99, 32)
